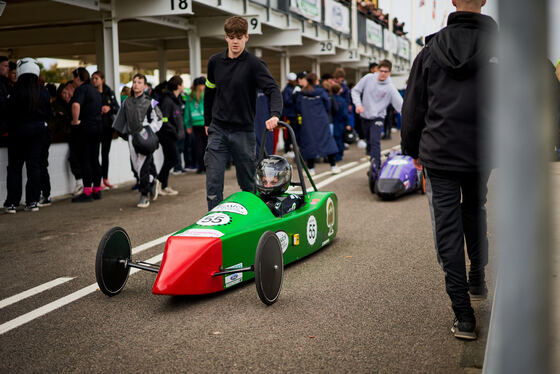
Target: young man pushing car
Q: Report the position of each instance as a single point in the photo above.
(229, 110)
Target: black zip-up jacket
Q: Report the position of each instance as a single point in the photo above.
(108, 98)
(230, 98)
(172, 110)
(24, 122)
(445, 102)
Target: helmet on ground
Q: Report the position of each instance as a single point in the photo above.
(349, 136)
(273, 176)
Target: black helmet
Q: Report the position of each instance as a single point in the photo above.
(273, 176)
(349, 136)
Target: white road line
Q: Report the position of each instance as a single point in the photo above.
(33, 291)
(23, 319)
(150, 244)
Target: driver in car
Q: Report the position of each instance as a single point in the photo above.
(272, 179)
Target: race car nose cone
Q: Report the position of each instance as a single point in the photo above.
(187, 266)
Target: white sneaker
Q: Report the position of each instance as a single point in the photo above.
(290, 154)
(143, 202)
(335, 170)
(312, 171)
(168, 191)
(78, 190)
(362, 144)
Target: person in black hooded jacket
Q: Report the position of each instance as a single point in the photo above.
(443, 114)
(171, 131)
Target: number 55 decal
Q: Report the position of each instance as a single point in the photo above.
(214, 219)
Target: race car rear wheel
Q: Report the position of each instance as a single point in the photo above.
(113, 253)
(269, 268)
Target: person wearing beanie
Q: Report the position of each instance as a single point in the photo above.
(194, 120)
(289, 113)
(28, 110)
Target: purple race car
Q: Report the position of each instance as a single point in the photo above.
(397, 176)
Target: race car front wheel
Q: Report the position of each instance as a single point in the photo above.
(111, 262)
(269, 268)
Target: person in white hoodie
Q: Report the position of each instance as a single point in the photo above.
(371, 96)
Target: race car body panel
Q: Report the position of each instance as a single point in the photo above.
(397, 176)
(226, 238)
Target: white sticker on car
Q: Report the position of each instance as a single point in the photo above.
(232, 208)
(203, 233)
(234, 278)
(284, 240)
(311, 230)
(330, 216)
(214, 219)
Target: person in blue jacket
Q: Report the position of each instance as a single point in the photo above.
(341, 119)
(316, 140)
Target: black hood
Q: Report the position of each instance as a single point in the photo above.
(464, 45)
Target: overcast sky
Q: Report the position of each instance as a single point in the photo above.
(425, 25)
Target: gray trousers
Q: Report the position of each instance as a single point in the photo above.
(224, 144)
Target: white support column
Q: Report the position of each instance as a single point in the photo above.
(195, 59)
(162, 62)
(99, 48)
(284, 68)
(354, 21)
(258, 52)
(111, 51)
(316, 67)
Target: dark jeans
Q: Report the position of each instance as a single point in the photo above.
(106, 140)
(311, 162)
(25, 149)
(73, 146)
(223, 144)
(148, 168)
(89, 137)
(200, 144)
(186, 147)
(45, 178)
(372, 133)
(170, 156)
(457, 203)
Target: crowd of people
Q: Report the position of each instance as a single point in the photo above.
(82, 113)
(85, 113)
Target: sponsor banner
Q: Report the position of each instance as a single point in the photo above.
(337, 16)
(308, 8)
(404, 48)
(390, 42)
(374, 33)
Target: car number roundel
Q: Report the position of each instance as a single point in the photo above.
(214, 219)
(311, 230)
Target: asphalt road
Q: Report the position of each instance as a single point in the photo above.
(372, 301)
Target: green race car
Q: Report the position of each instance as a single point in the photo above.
(238, 240)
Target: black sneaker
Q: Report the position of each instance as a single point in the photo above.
(10, 209)
(82, 198)
(478, 292)
(45, 202)
(96, 195)
(464, 330)
(32, 207)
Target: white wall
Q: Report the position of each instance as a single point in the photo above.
(62, 180)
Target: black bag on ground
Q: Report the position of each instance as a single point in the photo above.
(145, 141)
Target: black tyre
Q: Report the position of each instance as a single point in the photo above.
(269, 268)
(372, 178)
(111, 271)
